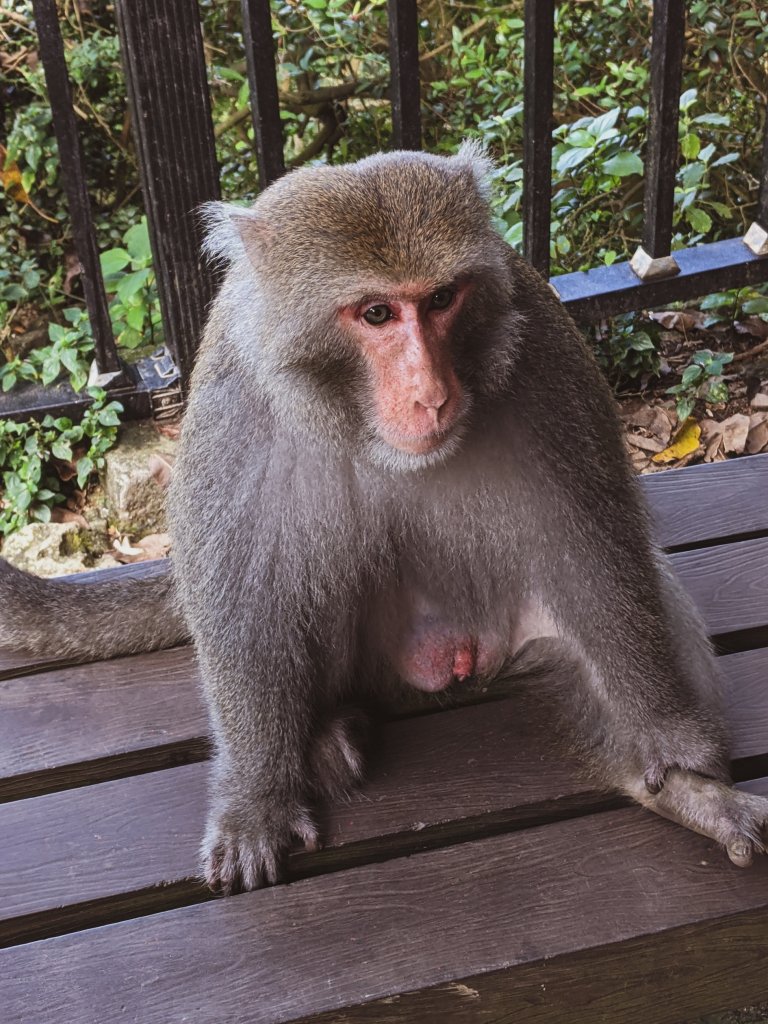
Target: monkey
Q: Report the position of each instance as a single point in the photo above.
(400, 465)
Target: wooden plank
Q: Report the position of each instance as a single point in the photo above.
(405, 87)
(537, 131)
(729, 584)
(708, 502)
(426, 788)
(259, 46)
(440, 921)
(99, 721)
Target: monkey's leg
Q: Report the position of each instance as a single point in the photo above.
(736, 820)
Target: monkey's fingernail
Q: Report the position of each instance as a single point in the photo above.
(740, 853)
(654, 782)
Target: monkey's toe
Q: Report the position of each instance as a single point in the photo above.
(335, 758)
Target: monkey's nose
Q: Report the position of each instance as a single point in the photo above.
(431, 408)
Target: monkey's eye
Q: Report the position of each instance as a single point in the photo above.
(377, 315)
(442, 298)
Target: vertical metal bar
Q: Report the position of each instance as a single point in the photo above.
(537, 131)
(662, 150)
(265, 106)
(756, 238)
(405, 90)
(162, 52)
(73, 176)
(761, 214)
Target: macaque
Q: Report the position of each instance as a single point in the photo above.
(400, 464)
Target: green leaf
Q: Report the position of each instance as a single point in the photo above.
(70, 359)
(56, 332)
(717, 392)
(132, 283)
(137, 241)
(684, 408)
(604, 122)
(113, 261)
(108, 417)
(722, 119)
(688, 98)
(690, 145)
(623, 164)
(692, 374)
(84, 469)
(61, 450)
(641, 341)
(135, 317)
(41, 512)
(51, 370)
(758, 305)
(572, 158)
(699, 219)
(9, 379)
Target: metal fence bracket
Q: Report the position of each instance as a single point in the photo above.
(649, 268)
(756, 240)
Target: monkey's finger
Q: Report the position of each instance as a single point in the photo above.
(655, 778)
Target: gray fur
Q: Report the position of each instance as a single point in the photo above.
(308, 555)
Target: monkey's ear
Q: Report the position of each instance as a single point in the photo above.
(232, 232)
(473, 157)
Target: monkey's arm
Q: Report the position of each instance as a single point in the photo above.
(98, 619)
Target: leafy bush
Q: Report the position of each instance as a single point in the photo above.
(36, 459)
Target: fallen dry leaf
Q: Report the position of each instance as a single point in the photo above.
(154, 545)
(757, 440)
(678, 320)
(735, 431)
(759, 401)
(66, 515)
(685, 442)
(648, 444)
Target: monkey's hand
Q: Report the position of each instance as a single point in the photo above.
(736, 820)
(245, 844)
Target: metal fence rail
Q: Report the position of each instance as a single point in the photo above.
(164, 63)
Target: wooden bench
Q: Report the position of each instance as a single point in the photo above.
(474, 878)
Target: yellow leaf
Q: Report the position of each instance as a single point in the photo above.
(685, 441)
(11, 179)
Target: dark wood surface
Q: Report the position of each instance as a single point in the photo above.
(708, 502)
(427, 787)
(82, 724)
(381, 931)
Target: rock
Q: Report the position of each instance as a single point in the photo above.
(134, 499)
(759, 402)
(39, 548)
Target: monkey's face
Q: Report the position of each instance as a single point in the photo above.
(404, 336)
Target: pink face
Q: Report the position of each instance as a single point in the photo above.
(404, 333)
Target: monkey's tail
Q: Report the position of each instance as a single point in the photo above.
(98, 615)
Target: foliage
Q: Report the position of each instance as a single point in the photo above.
(35, 458)
(702, 378)
(626, 348)
(128, 274)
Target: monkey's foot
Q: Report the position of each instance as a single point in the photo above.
(335, 760)
(739, 821)
(245, 850)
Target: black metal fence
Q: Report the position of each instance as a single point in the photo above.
(164, 63)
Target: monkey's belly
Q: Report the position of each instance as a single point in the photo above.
(433, 659)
